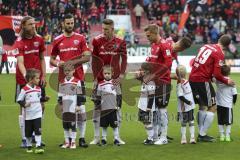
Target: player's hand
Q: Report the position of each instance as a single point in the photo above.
(28, 104)
(148, 110)
(231, 82)
(43, 81)
(61, 64)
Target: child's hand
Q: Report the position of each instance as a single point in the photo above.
(60, 107)
(28, 104)
(77, 109)
(148, 110)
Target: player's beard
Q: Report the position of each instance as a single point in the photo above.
(68, 30)
(28, 33)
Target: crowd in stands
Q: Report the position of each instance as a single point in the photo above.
(50, 12)
(208, 18)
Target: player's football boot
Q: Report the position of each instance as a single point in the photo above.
(39, 150)
(192, 140)
(183, 140)
(24, 143)
(29, 150)
(73, 145)
(95, 141)
(104, 142)
(121, 141)
(116, 142)
(222, 138)
(161, 141)
(148, 142)
(82, 143)
(228, 139)
(65, 145)
(206, 138)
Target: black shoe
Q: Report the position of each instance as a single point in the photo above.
(43, 144)
(148, 142)
(104, 142)
(169, 138)
(205, 138)
(116, 142)
(82, 143)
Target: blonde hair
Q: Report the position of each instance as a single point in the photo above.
(22, 32)
(181, 71)
(152, 28)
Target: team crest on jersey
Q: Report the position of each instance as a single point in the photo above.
(76, 42)
(15, 51)
(168, 52)
(36, 44)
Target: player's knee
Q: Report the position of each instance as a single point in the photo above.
(191, 123)
(183, 124)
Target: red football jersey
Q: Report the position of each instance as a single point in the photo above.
(108, 52)
(161, 57)
(174, 54)
(207, 64)
(30, 49)
(68, 48)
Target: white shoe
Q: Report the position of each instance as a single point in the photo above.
(95, 141)
(184, 140)
(161, 141)
(192, 140)
(65, 145)
(73, 145)
(121, 141)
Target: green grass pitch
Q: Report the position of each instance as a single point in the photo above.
(131, 131)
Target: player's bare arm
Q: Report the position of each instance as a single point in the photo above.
(20, 63)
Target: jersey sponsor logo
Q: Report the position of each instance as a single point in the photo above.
(76, 42)
(31, 51)
(36, 44)
(106, 53)
(68, 49)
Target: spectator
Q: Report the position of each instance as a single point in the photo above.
(138, 12)
(94, 13)
(220, 25)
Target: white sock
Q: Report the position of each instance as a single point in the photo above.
(73, 136)
(221, 130)
(104, 133)
(150, 131)
(207, 123)
(155, 131)
(192, 131)
(228, 130)
(82, 128)
(29, 141)
(183, 132)
(116, 133)
(164, 122)
(38, 139)
(66, 136)
(201, 116)
(22, 126)
(96, 123)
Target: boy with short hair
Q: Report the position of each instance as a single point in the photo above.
(226, 96)
(71, 100)
(146, 104)
(30, 99)
(106, 100)
(186, 105)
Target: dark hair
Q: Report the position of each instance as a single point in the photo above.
(108, 22)
(31, 73)
(224, 40)
(146, 66)
(225, 70)
(67, 16)
(185, 42)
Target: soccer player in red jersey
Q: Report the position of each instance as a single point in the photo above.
(108, 50)
(207, 64)
(28, 49)
(161, 59)
(72, 48)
